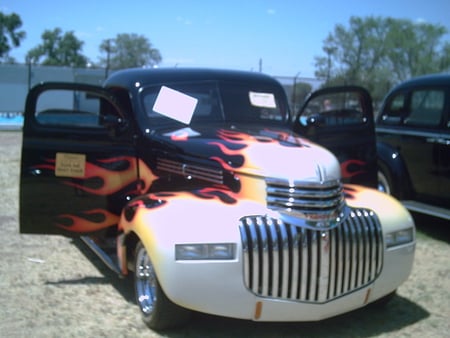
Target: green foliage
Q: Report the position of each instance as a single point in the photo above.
(127, 51)
(58, 49)
(10, 36)
(379, 52)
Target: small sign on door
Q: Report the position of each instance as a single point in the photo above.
(70, 165)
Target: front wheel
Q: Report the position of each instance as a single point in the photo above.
(158, 312)
(384, 183)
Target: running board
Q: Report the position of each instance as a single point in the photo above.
(101, 254)
(427, 209)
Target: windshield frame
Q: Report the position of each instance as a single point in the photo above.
(221, 96)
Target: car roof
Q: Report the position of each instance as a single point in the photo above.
(426, 80)
(138, 77)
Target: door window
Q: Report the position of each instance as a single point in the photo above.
(395, 110)
(333, 110)
(68, 108)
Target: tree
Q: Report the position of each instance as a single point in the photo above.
(58, 49)
(127, 51)
(379, 52)
(414, 49)
(10, 36)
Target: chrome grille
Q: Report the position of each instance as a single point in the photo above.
(306, 199)
(289, 262)
(191, 171)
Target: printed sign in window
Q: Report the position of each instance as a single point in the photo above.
(263, 100)
(70, 165)
(175, 105)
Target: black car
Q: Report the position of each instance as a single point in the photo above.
(196, 183)
(413, 132)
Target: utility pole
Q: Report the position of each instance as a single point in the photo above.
(108, 55)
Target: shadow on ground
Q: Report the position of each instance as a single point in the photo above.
(367, 322)
(436, 228)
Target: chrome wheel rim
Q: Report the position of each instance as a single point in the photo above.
(383, 184)
(145, 282)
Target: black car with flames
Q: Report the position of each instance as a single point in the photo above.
(201, 185)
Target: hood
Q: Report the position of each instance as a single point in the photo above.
(256, 151)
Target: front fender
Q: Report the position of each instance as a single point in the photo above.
(391, 161)
(162, 220)
(391, 213)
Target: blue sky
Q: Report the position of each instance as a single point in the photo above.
(285, 34)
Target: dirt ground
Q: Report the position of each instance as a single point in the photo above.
(52, 286)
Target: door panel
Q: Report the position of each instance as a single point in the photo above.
(442, 149)
(341, 119)
(77, 171)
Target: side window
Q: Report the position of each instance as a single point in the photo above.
(68, 108)
(394, 110)
(427, 107)
(340, 109)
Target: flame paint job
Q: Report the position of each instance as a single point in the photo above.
(108, 176)
(137, 181)
(352, 168)
(243, 154)
(91, 220)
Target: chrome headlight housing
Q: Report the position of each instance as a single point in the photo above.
(205, 251)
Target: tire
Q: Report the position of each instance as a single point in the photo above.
(158, 312)
(384, 182)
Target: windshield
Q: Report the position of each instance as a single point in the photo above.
(211, 101)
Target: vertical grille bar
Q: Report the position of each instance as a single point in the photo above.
(324, 266)
(274, 257)
(265, 256)
(296, 242)
(313, 266)
(304, 264)
(334, 264)
(284, 262)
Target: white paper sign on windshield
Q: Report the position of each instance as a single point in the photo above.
(263, 100)
(175, 104)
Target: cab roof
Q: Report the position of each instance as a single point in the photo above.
(137, 77)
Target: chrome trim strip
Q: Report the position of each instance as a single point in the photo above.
(406, 132)
(190, 171)
(315, 201)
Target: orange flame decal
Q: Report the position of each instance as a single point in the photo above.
(88, 221)
(346, 170)
(115, 180)
(219, 194)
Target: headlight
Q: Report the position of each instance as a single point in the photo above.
(220, 251)
(399, 237)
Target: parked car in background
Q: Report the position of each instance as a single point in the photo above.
(413, 133)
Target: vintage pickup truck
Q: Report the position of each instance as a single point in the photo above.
(199, 184)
